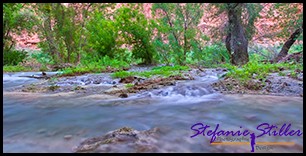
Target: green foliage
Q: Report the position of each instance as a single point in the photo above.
(293, 74)
(13, 57)
(252, 10)
(177, 34)
(135, 30)
(106, 61)
(95, 66)
(129, 85)
(15, 18)
(79, 70)
(289, 18)
(257, 70)
(43, 58)
(213, 55)
(296, 48)
(281, 73)
(170, 68)
(15, 68)
(249, 14)
(165, 71)
(65, 38)
(96, 41)
(102, 35)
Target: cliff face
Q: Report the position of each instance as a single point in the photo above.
(210, 25)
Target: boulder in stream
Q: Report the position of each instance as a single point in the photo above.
(124, 139)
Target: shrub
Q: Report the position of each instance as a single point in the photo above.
(102, 35)
(42, 57)
(13, 57)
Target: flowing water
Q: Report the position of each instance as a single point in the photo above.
(44, 123)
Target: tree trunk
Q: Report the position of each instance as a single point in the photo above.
(185, 43)
(236, 42)
(288, 44)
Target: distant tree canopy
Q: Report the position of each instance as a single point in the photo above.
(15, 19)
(291, 22)
(177, 23)
(75, 31)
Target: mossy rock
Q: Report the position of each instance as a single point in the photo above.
(53, 88)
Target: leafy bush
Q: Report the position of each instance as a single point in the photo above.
(258, 70)
(42, 57)
(95, 66)
(214, 54)
(102, 35)
(13, 57)
(136, 31)
(296, 48)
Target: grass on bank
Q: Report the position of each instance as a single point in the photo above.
(98, 66)
(259, 70)
(17, 68)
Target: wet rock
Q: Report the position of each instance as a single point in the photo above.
(53, 87)
(40, 131)
(123, 95)
(221, 69)
(273, 84)
(79, 88)
(87, 82)
(251, 117)
(137, 141)
(295, 57)
(300, 76)
(253, 85)
(38, 76)
(128, 79)
(67, 137)
(97, 81)
(202, 74)
(170, 83)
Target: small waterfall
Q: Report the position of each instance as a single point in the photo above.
(197, 88)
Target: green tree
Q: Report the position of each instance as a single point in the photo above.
(136, 30)
(102, 33)
(240, 28)
(63, 30)
(177, 29)
(291, 21)
(16, 17)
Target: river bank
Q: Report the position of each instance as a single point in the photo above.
(104, 83)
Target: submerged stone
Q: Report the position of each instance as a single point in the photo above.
(123, 95)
